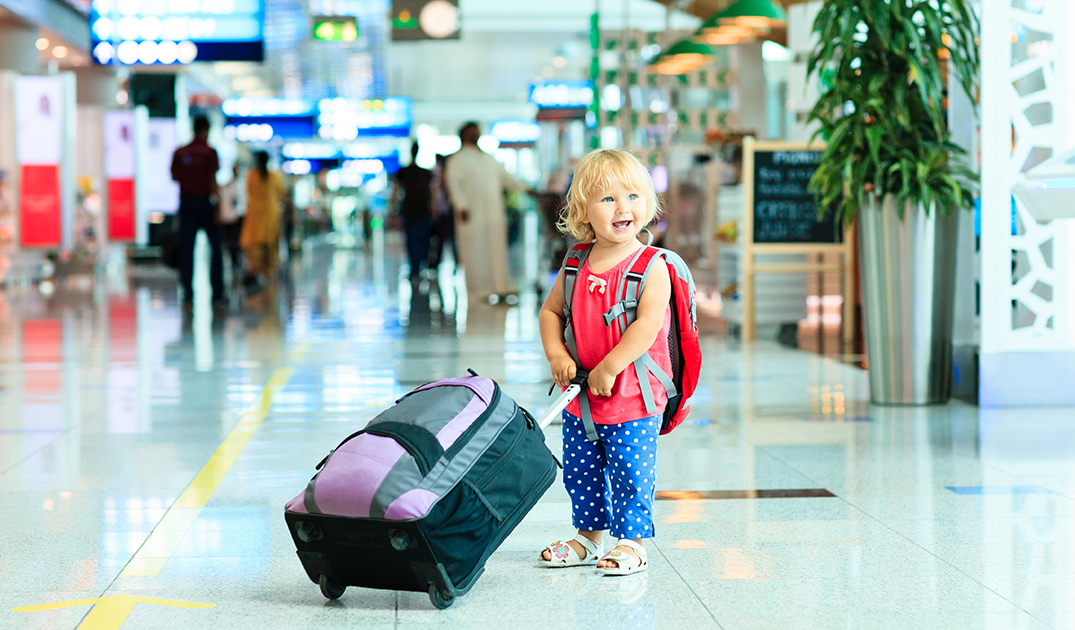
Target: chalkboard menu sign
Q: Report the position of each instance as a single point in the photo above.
(784, 208)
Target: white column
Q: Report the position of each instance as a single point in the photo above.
(750, 72)
(1028, 351)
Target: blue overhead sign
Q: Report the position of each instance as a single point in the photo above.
(331, 119)
(133, 32)
(262, 119)
(515, 133)
(347, 119)
(562, 94)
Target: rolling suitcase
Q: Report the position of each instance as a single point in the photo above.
(421, 497)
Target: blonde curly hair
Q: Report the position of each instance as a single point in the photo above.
(594, 174)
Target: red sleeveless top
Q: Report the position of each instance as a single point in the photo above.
(595, 340)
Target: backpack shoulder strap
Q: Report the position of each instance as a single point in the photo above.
(573, 261)
(630, 288)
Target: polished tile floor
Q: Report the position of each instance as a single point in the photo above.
(145, 459)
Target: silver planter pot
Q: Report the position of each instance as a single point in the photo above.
(908, 288)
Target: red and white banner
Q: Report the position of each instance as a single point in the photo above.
(38, 124)
(119, 171)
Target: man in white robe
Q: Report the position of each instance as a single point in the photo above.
(476, 184)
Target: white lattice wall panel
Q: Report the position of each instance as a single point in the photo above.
(1025, 115)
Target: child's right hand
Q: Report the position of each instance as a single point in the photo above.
(563, 371)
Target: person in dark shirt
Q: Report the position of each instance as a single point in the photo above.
(194, 167)
(415, 183)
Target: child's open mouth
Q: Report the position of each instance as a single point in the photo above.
(621, 225)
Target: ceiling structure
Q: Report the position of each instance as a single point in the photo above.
(504, 46)
(705, 8)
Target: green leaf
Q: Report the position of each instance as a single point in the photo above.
(898, 138)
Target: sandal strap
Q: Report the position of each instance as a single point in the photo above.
(590, 546)
(639, 549)
(624, 559)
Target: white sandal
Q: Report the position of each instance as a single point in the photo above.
(626, 564)
(562, 554)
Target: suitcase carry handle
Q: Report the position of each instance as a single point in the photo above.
(417, 441)
(561, 403)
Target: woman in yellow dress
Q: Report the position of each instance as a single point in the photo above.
(260, 238)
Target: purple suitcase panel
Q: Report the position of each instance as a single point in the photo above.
(359, 469)
(410, 505)
(451, 431)
(480, 385)
(354, 473)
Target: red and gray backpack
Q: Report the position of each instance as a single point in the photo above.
(683, 347)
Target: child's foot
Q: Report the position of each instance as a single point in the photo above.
(579, 551)
(629, 556)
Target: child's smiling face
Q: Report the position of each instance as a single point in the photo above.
(617, 213)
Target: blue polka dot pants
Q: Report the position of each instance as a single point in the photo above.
(611, 481)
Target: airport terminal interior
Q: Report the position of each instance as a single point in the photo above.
(149, 444)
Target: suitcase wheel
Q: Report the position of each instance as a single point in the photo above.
(329, 588)
(439, 598)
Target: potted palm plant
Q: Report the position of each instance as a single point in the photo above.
(890, 166)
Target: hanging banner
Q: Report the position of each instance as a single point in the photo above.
(38, 129)
(156, 167)
(119, 171)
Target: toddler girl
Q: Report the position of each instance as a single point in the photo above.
(610, 440)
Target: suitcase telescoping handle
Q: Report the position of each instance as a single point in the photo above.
(563, 401)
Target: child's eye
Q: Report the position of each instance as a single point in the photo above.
(632, 196)
(607, 199)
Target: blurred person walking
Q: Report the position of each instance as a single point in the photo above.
(442, 230)
(232, 208)
(194, 167)
(260, 237)
(476, 185)
(414, 184)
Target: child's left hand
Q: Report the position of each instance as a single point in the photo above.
(600, 381)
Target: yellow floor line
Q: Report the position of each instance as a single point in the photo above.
(158, 548)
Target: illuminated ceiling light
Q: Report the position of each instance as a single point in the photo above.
(147, 52)
(735, 30)
(102, 28)
(715, 39)
(59, 52)
(103, 52)
(683, 56)
(559, 62)
(150, 27)
(751, 13)
(188, 52)
(43, 43)
(167, 52)
(127, 52)
(129, 27)
(129, 7)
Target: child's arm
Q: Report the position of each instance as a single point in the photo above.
(551, 324)
(639, 336)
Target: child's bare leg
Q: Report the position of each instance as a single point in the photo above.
(627, 550)
(594, 536)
